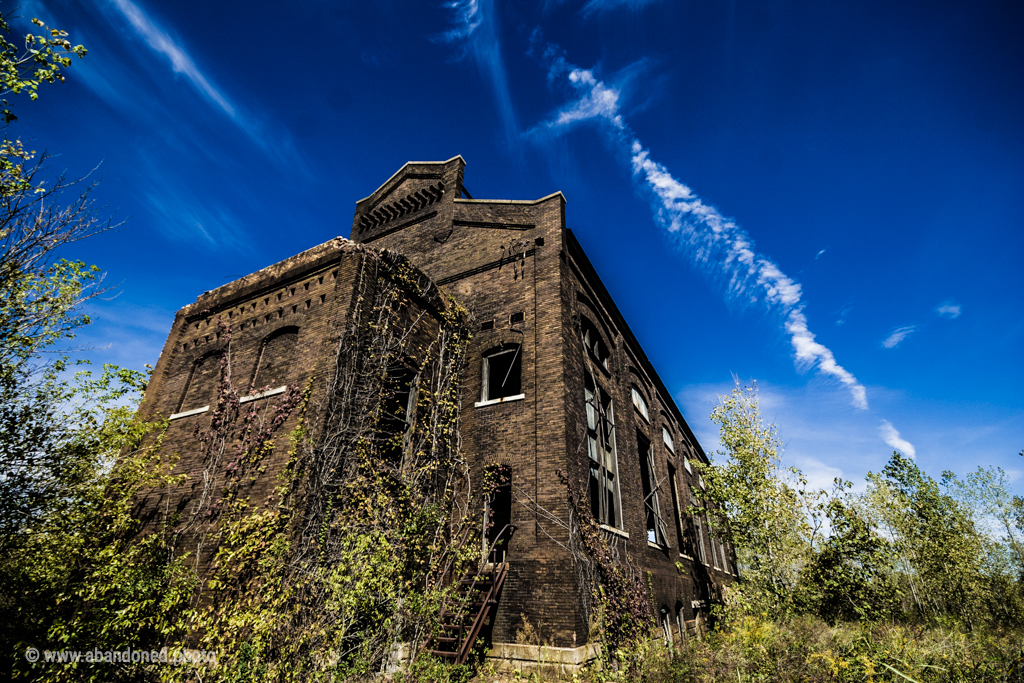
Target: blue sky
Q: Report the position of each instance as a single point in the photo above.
(825, 197)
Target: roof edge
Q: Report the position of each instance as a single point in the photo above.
(463, 200)
(399, 171)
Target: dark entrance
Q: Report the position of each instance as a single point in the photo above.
(497, 511)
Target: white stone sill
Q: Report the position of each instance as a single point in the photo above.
(496, 401)
(613, 530)
(244, 399)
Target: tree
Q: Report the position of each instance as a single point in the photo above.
(936, 542)
(851, 577)
(763, 504)
(39, 296)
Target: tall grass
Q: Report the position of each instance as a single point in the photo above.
(808, 650)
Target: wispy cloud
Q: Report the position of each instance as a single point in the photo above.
(948, 309)
(278, 145)
(893, 438)
(475, 27)
(181, 62)
(818, 255)
(595, 6)
(897, 336)
(713, 241)
(183, 216)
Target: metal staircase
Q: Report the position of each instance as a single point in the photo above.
(466, 612)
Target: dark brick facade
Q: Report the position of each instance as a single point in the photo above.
(528, 285)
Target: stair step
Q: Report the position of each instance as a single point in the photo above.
(444, 654)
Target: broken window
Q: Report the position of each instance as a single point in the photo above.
(640, 404)
(673, 489)
(595, 347)
(648, 479)
(698, 534)
(398, 413)
(604, 470)
(502, 372)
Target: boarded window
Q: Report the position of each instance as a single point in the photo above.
(502, 372)
(667, 438)
(640, 404)
(276, 359)
(202, 383)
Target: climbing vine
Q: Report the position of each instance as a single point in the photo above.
(346, 564)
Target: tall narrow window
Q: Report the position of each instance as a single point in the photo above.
(652, 511)
(502, 372)
(699, 535)
(672, 485)
(398, 413)
(604, 471)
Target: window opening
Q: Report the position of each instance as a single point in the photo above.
(667, 438)
(517, 318)
(276, 359)
(652, 511)
(699, 534)
(672, 485)
(497, 511)
(487, 325)
(604, 484)
(398, 413)
(502, 373)
(592, 342)
(640, 404)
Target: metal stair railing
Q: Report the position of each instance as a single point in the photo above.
(464, 637)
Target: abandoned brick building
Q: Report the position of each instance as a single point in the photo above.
(554, 382)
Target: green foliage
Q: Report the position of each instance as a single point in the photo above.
(851, 577)
(73, 575)
(764, 506)
(39, 61)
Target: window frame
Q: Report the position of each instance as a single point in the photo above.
(640, 403)
(666, 437)
(602, 455)
(485, 372)
(593, 344)
(649, 490)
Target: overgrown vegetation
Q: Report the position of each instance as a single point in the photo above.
(352, 554)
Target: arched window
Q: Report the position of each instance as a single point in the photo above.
(604, 467)
(640, 404)
(648, 481)
(595, 347)
(277, 356)
(202, 382)
(666, 436)
(502, 373)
